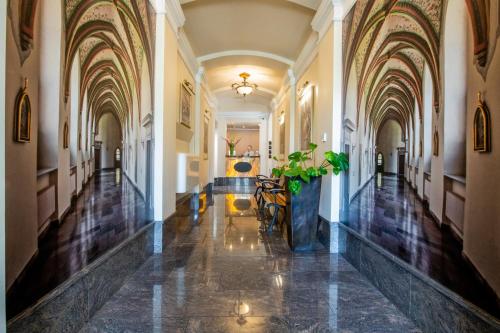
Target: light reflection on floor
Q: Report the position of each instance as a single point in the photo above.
(221, 274)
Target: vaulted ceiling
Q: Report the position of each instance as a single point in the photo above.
(261, 37)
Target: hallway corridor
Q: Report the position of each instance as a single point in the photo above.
(388, 212)
(108, 211)
(220, 274)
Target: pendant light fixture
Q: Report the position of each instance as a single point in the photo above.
(244, 88)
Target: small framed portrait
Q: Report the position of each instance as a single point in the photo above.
(482, 127)
(66, 135)
(306, 110)
(22, 130)
(185, 104)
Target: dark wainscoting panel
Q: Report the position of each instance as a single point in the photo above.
(73, 303)
(431, 306)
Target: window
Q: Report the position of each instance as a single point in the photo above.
(118, 155)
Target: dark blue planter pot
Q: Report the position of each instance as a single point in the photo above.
(302, 215)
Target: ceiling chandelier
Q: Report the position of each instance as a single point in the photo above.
(244, 88)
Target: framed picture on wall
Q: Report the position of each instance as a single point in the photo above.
(306, 109)
(185, 104)
(22, 130)
(482, 127)
(282, 135)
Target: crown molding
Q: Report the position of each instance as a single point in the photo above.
(254, 53)
(323, 18)
(187, 53)
(307, 55)
(175, 15)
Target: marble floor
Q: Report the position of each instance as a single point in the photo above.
(220, 273)
(388, 212)
(108, 211)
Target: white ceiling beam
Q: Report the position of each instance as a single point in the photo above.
(253, 53)
(311, 4)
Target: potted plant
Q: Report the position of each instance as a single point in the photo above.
(303, 188)
(231, 143)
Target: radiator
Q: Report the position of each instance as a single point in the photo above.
(46, 205)
(455, 210)
(188, 167)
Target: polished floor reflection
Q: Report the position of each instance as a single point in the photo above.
(388, 212)
(108, 211)
(220, 273)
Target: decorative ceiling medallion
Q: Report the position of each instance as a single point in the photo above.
(244, 88)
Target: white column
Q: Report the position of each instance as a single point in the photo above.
(197, 113)
(165, 119)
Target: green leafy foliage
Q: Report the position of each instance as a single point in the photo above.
(298, 171)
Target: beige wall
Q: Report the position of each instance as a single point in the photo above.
(247, 137)
(21, 168)
(482, 208)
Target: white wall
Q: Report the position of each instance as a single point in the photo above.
(389, 139)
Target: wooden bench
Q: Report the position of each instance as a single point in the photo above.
(274, 197)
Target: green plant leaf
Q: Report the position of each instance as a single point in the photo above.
(312, 172)
(323, 171)
(313, 146)
(277, 172)
(294, 186)
(292, 172)
(305, 177)
(295, 156)
(275, 158)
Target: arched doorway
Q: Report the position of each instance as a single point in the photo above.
(379, 162)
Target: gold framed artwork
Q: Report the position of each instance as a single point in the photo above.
(65, 135)
(22, 129)
(185, 103)
(435, 143)
(306, 110)
(482, 127)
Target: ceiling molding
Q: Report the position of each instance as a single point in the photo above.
(323, 18)
(306, 56)
(341, 8)
(187, 54)
(175, 14)
(311, 4)
(232, 53)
